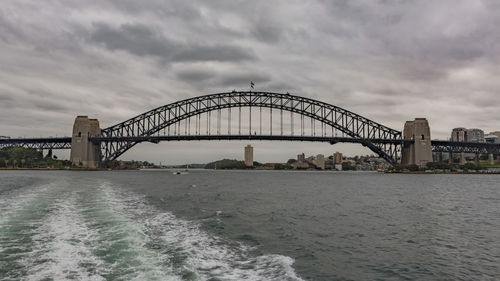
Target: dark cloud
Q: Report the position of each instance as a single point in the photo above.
(214, 53)
(177, 8)
(282, 87)
(7, 30)
(141, 40)
(137, 39)
(50, 106)
(241, 80)
(4, 97)
(267, 31)
(195, 75)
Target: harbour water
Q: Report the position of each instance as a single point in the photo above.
(248, 225)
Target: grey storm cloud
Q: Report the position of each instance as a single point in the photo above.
(390, 61)
(195, 75)
(137, 39)
(142, 40)
(243, 79)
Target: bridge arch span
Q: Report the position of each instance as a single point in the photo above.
(154, 121)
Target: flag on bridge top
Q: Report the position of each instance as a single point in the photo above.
(252, 84)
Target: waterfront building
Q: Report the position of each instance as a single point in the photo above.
(300, 165)
(249, 156)
(459, 134)
(467, 135)
(337, 158)
(319, 161)
(475, 135)
(329, 165)
(301, 157)
(492, 139)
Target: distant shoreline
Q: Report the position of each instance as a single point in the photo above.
(445, 173)
(50, 169)
(387, 172)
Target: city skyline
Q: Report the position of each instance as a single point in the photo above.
(113, 60)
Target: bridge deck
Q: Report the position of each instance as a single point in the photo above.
(38, 143)
(437, 145)
(156, 139)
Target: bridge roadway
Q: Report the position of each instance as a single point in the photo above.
(156, 139)
(38, 143)
(65, 142)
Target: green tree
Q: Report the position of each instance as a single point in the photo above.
(413, 167)
(282, 167)
(226, 164)
(346, 166)
(470, 166)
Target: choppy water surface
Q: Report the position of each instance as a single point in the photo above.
(248, 225)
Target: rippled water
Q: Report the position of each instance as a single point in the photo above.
(248, 225)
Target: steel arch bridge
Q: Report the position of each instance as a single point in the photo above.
(164, 123)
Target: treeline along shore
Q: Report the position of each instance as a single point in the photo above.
(30, 158)
(20, 158)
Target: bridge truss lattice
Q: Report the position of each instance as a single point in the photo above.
(295, 118)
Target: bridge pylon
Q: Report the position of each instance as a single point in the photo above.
(420, 151)
(85, 153)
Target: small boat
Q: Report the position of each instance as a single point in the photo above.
(177, 172)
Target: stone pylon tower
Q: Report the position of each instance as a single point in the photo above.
(420, 152)
(249, 156)
(83, 152)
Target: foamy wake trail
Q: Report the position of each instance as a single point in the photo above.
(12, 202)
(32, 232)
(20, 212)
(122, 242)
(193, 253)
(55, 232)
(61, 247)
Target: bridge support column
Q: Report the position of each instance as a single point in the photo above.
(450, 158)
(420, 152)
(476, 160)
(462, 158)
(491, 161)
(83, 152)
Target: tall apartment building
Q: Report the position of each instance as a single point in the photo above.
(476, 135)
(319, 161)
(249, 156)
(459, 134)
(337, 158)
(467, 135)
(301, 157)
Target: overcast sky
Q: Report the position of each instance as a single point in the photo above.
(390, 61)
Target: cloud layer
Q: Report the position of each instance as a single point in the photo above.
(390, 61)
